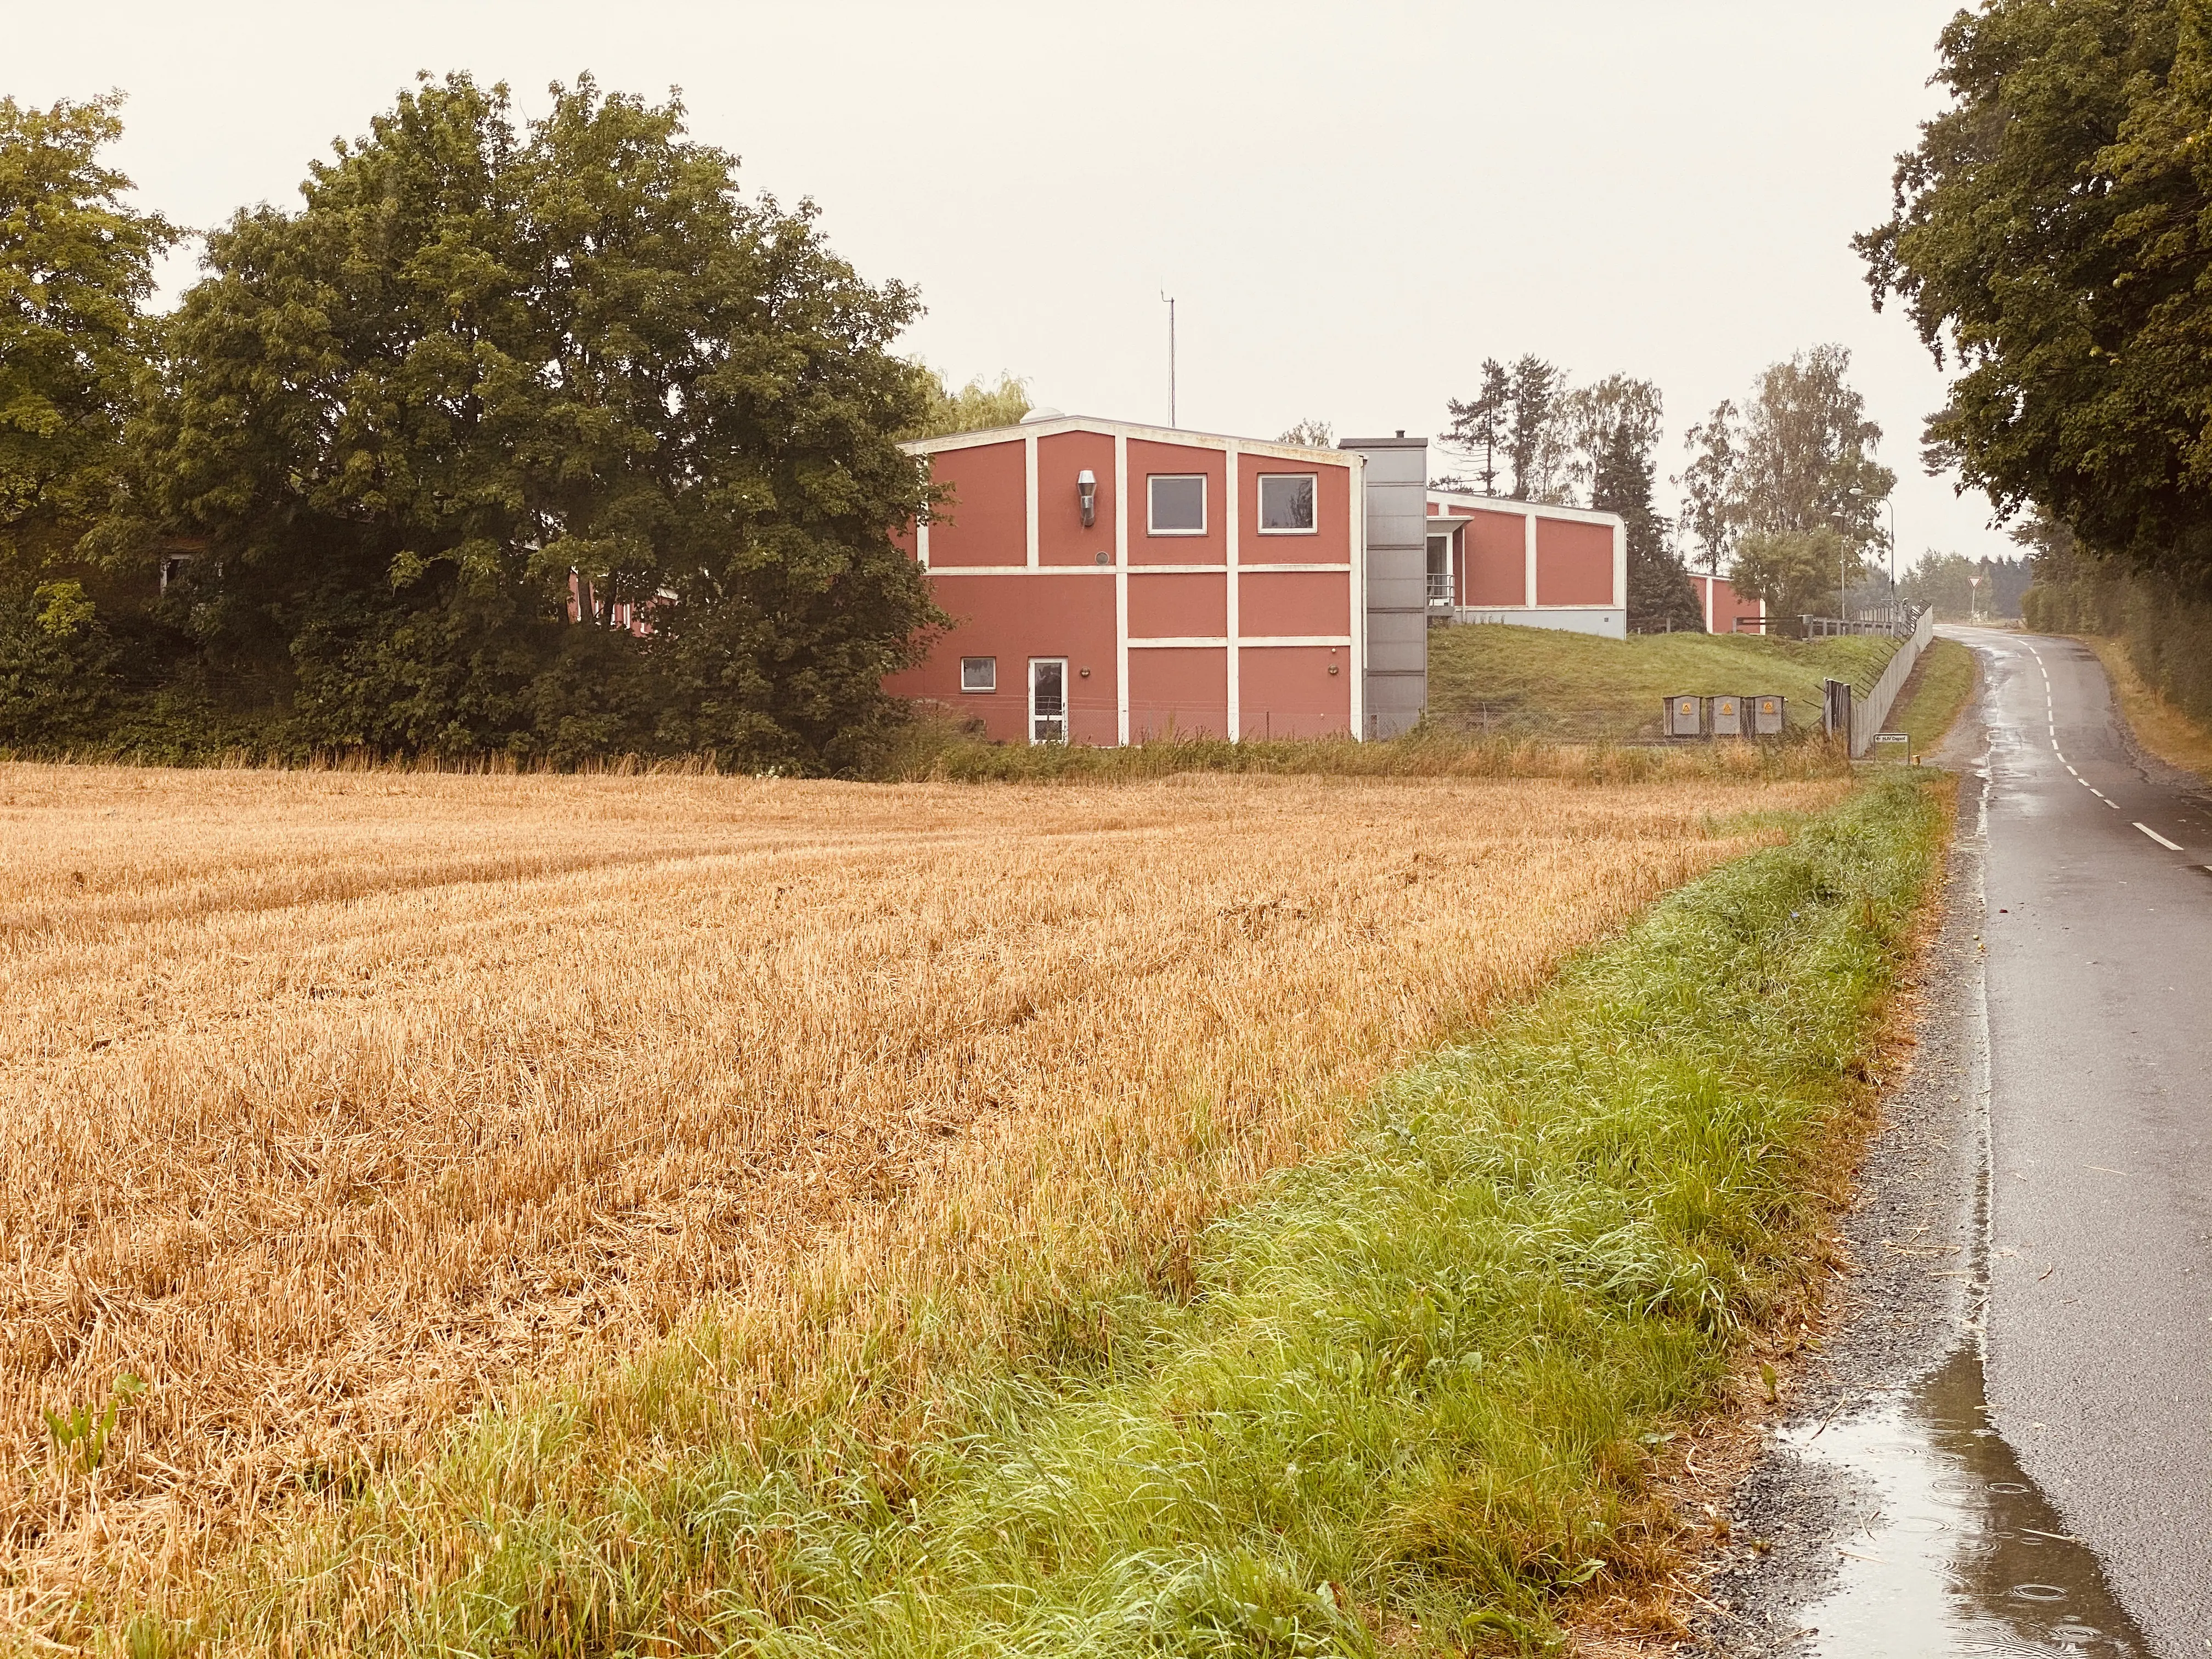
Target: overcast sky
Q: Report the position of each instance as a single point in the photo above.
(1354, 204)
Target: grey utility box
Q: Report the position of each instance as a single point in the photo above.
(1767, 715)
(1684, 717)
(1728, 720)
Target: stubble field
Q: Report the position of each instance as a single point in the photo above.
(334, 1104)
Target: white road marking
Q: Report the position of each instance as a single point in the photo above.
(2170, 846)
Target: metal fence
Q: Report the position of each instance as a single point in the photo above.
(1871, 707)
(1895, 617)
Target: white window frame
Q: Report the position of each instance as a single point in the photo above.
(1065, 698)
(1260, 504)
(978, 690)
(1204, 503)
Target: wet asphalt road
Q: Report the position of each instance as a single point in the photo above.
(2099, 933)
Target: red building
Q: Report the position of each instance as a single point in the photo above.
(1726, 610)
(1110, 582)
(1495, 560)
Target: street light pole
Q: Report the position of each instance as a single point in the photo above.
(1893, 549)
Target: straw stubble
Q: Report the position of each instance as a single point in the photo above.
(333, 1102)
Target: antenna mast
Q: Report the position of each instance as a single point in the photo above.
(1170, 300)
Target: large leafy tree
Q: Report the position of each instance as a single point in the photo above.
(2052, 241)
(75, 266)
(1786, 486)
(495, 394)
(1708, 484)
(1796, 572)
(1807, 453)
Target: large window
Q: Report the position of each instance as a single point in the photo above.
(1286, 503)
(1178, 503)
(978, 673)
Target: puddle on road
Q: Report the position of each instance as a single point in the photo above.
(1954, 1552)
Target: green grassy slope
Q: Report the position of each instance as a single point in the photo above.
(1541, 682)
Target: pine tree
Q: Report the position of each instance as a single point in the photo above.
(1659, 598)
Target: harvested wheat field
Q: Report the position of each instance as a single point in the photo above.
(336, 1103)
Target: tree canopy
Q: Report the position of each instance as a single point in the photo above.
(76, 265)
(976, 407)
(2052, 240)
(540, 438)
(1784, 487)
(1614, 426)
(1569, 443)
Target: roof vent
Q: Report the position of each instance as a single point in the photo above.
(1045, 413)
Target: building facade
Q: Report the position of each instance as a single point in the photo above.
(1110, 582)
(1491, 559)
(1726, 610)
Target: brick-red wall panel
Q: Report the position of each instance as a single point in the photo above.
(987, 522)
(1013, 617)
(1287, 691)
(1574, 562)
(1179, 689)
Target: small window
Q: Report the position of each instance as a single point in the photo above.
(1286, 503)
(978, 673)
(1178, 504)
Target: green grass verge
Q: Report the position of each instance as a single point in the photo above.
(1548, 683)
(2159, 724)
(1410, 1399)
(937, 751)
(1942, 682)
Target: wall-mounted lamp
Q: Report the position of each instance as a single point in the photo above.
(1086, 493)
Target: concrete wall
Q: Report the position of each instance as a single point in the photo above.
(1612, 622)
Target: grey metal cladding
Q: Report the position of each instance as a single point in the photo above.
(1396, 590)
(1396, 523)
(1395, 505)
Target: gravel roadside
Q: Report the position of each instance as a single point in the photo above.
(1882, 1514)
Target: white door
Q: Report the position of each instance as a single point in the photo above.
(1047, 700)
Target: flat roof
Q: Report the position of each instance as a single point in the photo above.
(1519, 509)
(1150, 434)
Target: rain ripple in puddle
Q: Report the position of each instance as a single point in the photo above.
(1956, 1553)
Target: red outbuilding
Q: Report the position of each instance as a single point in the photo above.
(1726, 610)
(1495, 560)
